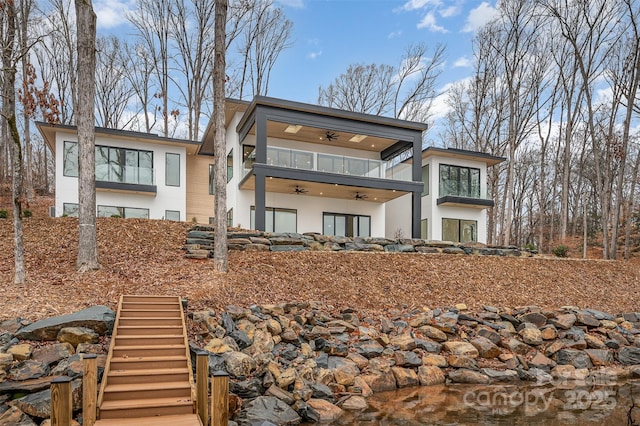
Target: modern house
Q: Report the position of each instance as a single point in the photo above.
(291, 167)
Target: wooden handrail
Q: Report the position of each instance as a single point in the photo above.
(105, 374)
(188, 354)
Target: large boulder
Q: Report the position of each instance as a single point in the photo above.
(39, 404)
(629, 356)
(14, 417)
(268, 409)
(98, 318)
(327, 412)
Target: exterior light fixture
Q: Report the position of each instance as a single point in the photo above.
(358, 138)
(293, 128)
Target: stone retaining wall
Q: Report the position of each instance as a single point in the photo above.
(199, 244)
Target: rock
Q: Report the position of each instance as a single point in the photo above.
(593, 342)
(50, 354)
(584, 318)
(286, 378)
(535, 375)
(217, 346)
(327, 411)
(344, 370)
(14, 417)
(460, 361)
(549, 332)
(320, 391)
(531, 336)
(434, 360)
(430, 375)
(281, 394)
(404, 342)
(428, 345)
(500, 375)
(516, 346)
(405, 377)
(407, 359)
(486, 348)
(360, 361)
(461, 348)
(380, 381)
(238, 364)
(20, 352)
(575, 357)
(629, 356)
(534, 318)
(72, 367)
(554, 347)
(5, 361)
(355, 403)
(28, 370)
(250, 388)
(369, 349)
(76, 335)
(39, 404)
(399, 248)
(542, 362)
(600, 357)
(433, 333)
(564, 321)
(468, 376)
(489, 334)
(269, 409)
(98, 318)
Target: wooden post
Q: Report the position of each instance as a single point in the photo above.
(220, 399)
(61, 405)
(89, 389)
(202, 386)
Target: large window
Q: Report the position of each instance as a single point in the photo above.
(70, 209)
(126, 212)
(172, 215)
(459, 231)
(423, 229)
(70, 159)
(459, 181)
(113, 164)
(230, 218)
(277, 220)
(346, 225)
(172, 170)
(425, 180)
(230, 166)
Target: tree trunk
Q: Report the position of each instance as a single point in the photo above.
(87, 242)
(220, 257)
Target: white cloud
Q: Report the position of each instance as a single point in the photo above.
(314, 55)
(462, 62)
(450, 11)
(298, 4)
(429, 22)
(419, 4)
(112, 13)
(394, 34)
(479, 16)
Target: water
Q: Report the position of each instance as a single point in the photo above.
(569, 403)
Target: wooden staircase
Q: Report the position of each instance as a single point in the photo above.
(147, 379)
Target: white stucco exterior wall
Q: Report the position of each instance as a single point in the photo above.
(166, 198)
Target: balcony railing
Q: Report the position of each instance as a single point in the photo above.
(306, 160)
(475, 191)
(132, 175)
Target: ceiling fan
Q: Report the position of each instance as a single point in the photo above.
(360, 196)
(330, 136)
(300, 191)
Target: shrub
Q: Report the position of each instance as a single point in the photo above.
(116, 215)
(27, 213)
(561, 251)
(4, 214)
(530, 247)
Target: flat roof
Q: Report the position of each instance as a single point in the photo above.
(491, 160)
(48, 132)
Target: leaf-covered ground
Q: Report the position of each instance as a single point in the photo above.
(145, 257)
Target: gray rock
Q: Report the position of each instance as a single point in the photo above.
(468, 376)
(238, 364)
(399, 248)
(288, 248)
(369, 349)
(14, 417)
(453, 250)
(535, 318)
(98, 318)
(39, 404)
(629, 356)
(28, 370)
(50, 354)
(320, 391)
(575, 357)
(250, 388)
(428, 345)
(501, 375)
(363, 247)
(268, 409)
(407, 359)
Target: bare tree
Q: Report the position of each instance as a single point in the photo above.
(220, 258)
(87, 241)
(113, 90)
(139, 71)
(10, 130)
(406, 91)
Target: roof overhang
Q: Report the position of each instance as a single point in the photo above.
(463, 154)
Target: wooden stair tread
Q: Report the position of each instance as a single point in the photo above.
(131, 387)
(148, 371)
(146, 403)
(153, 348)
(176, 420)
(147, 336)
(150, 358)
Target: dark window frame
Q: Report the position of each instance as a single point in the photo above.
(122, 211)
(348, 229)
(74, 168)
(457, 171)
(273, 210)
(212, 181)
(172, 211)
(166, 169)
(460, 222)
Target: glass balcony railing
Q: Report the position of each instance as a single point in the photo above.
(453, 189)
(306, 160)
(135, 175)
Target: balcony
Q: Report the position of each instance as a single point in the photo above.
(455, 196)
(119, 178)
(315, 161)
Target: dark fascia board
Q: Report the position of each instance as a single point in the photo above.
(333, 178)
(231, 107)
(395, 150)
(117, 132)
(491, 160)
(465, 200)
(121, 186)
(330, 112)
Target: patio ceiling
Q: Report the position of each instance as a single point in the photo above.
(327, 190)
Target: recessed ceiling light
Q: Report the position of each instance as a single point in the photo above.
(373, 146)
(293, 128)
(321, 193)
(358, 138)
